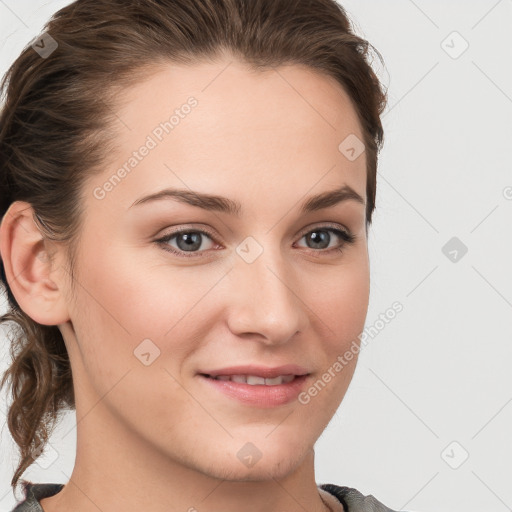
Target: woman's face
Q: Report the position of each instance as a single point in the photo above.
(272, 285)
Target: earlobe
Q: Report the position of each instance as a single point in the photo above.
(28, 268)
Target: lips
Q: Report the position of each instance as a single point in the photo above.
(254, 395)
(257, 386)
(242, 371)
(254, 380)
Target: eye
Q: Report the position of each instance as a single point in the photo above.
(190, 241)
(320, 238)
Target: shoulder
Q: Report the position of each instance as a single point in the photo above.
(33, 493)
(354, 501)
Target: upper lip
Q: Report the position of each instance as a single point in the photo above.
(259, 371)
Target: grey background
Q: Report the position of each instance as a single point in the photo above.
(426, 422)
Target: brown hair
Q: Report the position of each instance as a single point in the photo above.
(57, 129)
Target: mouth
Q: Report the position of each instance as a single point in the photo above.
(255, 380)
(255, 390)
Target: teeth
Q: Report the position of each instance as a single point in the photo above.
(274, 381)
(254, 380)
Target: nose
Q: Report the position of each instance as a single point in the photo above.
(264, 299)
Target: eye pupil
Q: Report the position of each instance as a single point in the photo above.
(192, 241)
(318, 236)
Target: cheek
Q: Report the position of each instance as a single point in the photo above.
(123, 302)
(120, 320)
(342, 304)
(114, 313)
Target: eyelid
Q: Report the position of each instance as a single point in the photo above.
(341, 232)
(316, 225)
(323, 225)
(184, 228)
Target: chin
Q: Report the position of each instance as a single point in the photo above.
(275, 469)
(246, 461)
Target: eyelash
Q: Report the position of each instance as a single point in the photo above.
(346, 236)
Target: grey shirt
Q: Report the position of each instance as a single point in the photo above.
(351, 499)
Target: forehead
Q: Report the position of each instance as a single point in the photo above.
(216, 127)
(285, 93)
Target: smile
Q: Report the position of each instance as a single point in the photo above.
(254, 380)
(255, 390)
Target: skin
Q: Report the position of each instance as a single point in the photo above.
(151, 436)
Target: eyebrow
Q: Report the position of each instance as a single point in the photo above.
(229, 206)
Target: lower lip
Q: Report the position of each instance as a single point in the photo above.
(259, 395)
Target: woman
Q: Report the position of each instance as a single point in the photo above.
(187, 188)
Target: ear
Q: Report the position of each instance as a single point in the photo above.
(37, 287)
